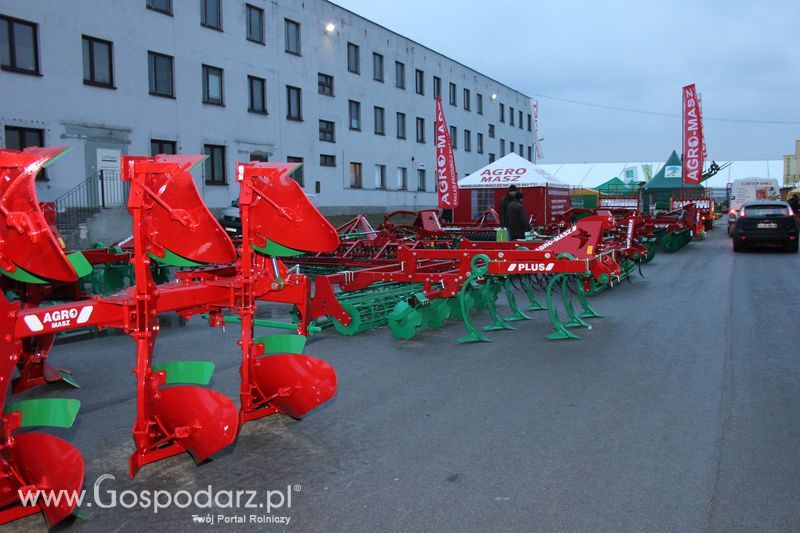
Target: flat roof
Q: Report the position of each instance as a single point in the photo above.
(381, 26)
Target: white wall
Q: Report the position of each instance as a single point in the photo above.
(85, 117)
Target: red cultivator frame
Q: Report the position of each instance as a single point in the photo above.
(174, 411)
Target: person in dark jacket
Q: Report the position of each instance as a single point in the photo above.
(517, 218)
(501, 209)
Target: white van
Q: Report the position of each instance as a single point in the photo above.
(750, 190)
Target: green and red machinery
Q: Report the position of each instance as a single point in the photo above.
(175, 411)
(422, 284)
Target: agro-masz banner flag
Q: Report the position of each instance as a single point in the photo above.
(446, 175)
(693, 143)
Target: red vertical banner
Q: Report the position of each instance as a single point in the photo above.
(446, 175)
(693, 143)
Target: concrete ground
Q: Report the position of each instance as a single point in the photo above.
(678, 411)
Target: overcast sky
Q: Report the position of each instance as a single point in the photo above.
(743, 56)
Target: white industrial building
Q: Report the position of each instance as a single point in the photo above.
(297, 80)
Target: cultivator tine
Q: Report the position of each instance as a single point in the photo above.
(534, 304)
(587, 312)
(561, 332)
(516, 313)
(574, 320)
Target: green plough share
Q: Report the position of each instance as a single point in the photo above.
(672, 242)
(475, 294)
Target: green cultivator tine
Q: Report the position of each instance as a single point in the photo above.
(535, 305)
(588, 312)
(516, 313)
(187, 372)
(574, 320)
(467, 302)
(50, 412)
(491, 290)
(277, 344)
(561, 332)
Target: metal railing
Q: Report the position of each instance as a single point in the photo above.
(101, 190)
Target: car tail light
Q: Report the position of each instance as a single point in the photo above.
(732, 212)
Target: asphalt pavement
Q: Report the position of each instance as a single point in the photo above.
(677, 411)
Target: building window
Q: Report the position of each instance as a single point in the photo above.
(479, 102)
(420, 81)
(297, 175)
(21, 138)
(353, 58)
(521, 151)
(421, 179)
(502, 147)
(380, 176)
(402, 178)
(530, 154)
(380, 121)
(160, 146)
(377, 67)
(98, 62)
(258, 94)
(355, 176)
(401, 125)
(492, 158)
(160, 68)
(162, 6)
(511, 146)
(454, 137)
(453, 96)
(355, 115)
(255, 24)
(467, 141)
(400, 75)
(480, 143)
(491, 131)
(211, 15)
(327, 131)
(327, 161)
(519, 122)
(529, 122)
(294, 103)
(511, 117)
(502, 113)
(19, 46)
(212, 85)
(467, 100)
(215, 164)
(292, 37)
(437, 87)
(420, 130)
(325, 83)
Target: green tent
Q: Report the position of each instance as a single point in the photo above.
(615, 187)
(668, 183)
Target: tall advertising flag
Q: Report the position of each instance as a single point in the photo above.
(693, 143)
(446, 175)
